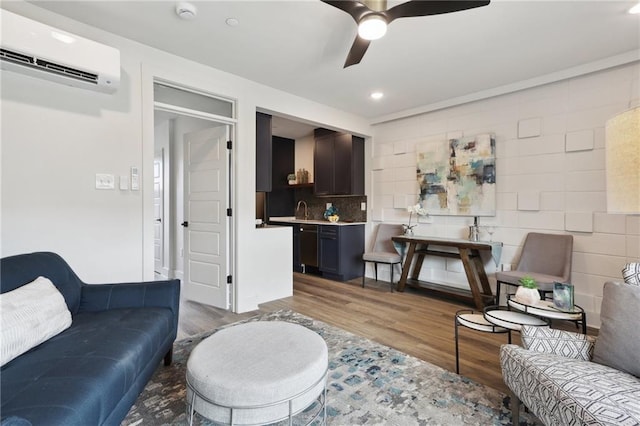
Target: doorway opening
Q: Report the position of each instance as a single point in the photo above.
(193, 184)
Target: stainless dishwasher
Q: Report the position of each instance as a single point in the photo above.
(309, 245)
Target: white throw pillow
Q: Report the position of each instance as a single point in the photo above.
(31, 314)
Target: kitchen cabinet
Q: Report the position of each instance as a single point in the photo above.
(338, 163)
(340, 251)
(297, 264)
(280, 200)
(264, 153)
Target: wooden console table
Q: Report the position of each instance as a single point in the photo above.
(467, 251)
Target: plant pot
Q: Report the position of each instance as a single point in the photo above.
(527, 296)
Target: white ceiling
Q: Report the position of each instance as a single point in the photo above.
(300, 46)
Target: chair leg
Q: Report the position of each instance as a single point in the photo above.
(376, 268)
(455, 322)
(515, 409)
(498, 293)
(391, 282)
(364, 272)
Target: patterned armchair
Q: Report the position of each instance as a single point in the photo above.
(565, 378)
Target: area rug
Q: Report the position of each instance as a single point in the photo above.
(368, 383)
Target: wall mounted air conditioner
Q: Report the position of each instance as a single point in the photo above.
(36, 49)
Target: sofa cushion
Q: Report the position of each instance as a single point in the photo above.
(31, 314)
(80, 375)
(618, 343)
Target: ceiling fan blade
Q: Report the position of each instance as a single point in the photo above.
(427, 7)
(353, 7)
(357, 51)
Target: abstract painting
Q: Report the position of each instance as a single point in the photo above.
(458, 177)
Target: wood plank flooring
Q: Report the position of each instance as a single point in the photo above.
(411, 322)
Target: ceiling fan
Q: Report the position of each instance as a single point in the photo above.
(372, 17)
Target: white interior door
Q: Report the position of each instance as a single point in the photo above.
(206, 174)
(158, 215)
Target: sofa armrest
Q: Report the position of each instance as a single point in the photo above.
(558, 342)
(157, 294)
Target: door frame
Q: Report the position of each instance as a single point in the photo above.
(150, 77)
(165, 240)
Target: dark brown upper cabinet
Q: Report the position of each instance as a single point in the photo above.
(338, 163)
(264, 153)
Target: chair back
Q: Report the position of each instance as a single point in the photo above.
(548, 254)
(382, 238)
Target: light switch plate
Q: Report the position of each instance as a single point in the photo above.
(124, 183)
(363, 206)
(135, 179)
(105, 181)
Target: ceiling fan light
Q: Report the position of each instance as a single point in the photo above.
(372, 27)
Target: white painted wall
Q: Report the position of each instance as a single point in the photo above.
(55, 139)
(550, 177)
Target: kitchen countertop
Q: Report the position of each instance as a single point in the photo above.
(292, 219)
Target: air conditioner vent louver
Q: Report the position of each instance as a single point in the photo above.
(8, 55)
(70, 72)
(15, 57)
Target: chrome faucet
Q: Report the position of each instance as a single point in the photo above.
(306, 213)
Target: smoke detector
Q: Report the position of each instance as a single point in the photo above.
(186, 11)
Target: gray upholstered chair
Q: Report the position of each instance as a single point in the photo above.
(565, 378)
(545, 257)
(382, 250)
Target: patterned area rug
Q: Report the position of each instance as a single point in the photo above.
(368, 383)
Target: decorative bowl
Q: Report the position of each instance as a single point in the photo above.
(333, 218)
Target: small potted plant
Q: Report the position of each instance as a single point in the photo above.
(527, 293)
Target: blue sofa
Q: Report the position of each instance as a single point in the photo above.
(92, 372)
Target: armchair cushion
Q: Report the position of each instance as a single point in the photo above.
(557, 342)
(543, 281)
(618, 343)
(565, 391)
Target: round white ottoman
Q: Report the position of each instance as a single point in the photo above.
(257, 373)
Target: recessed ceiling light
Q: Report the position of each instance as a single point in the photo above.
(377, 95)
(635, 9)
(232, 22)
(186, 11)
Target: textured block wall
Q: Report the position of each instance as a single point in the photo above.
(550, 175)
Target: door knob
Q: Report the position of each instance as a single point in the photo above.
(185, 224)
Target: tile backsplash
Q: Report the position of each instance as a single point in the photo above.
(349, 207)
